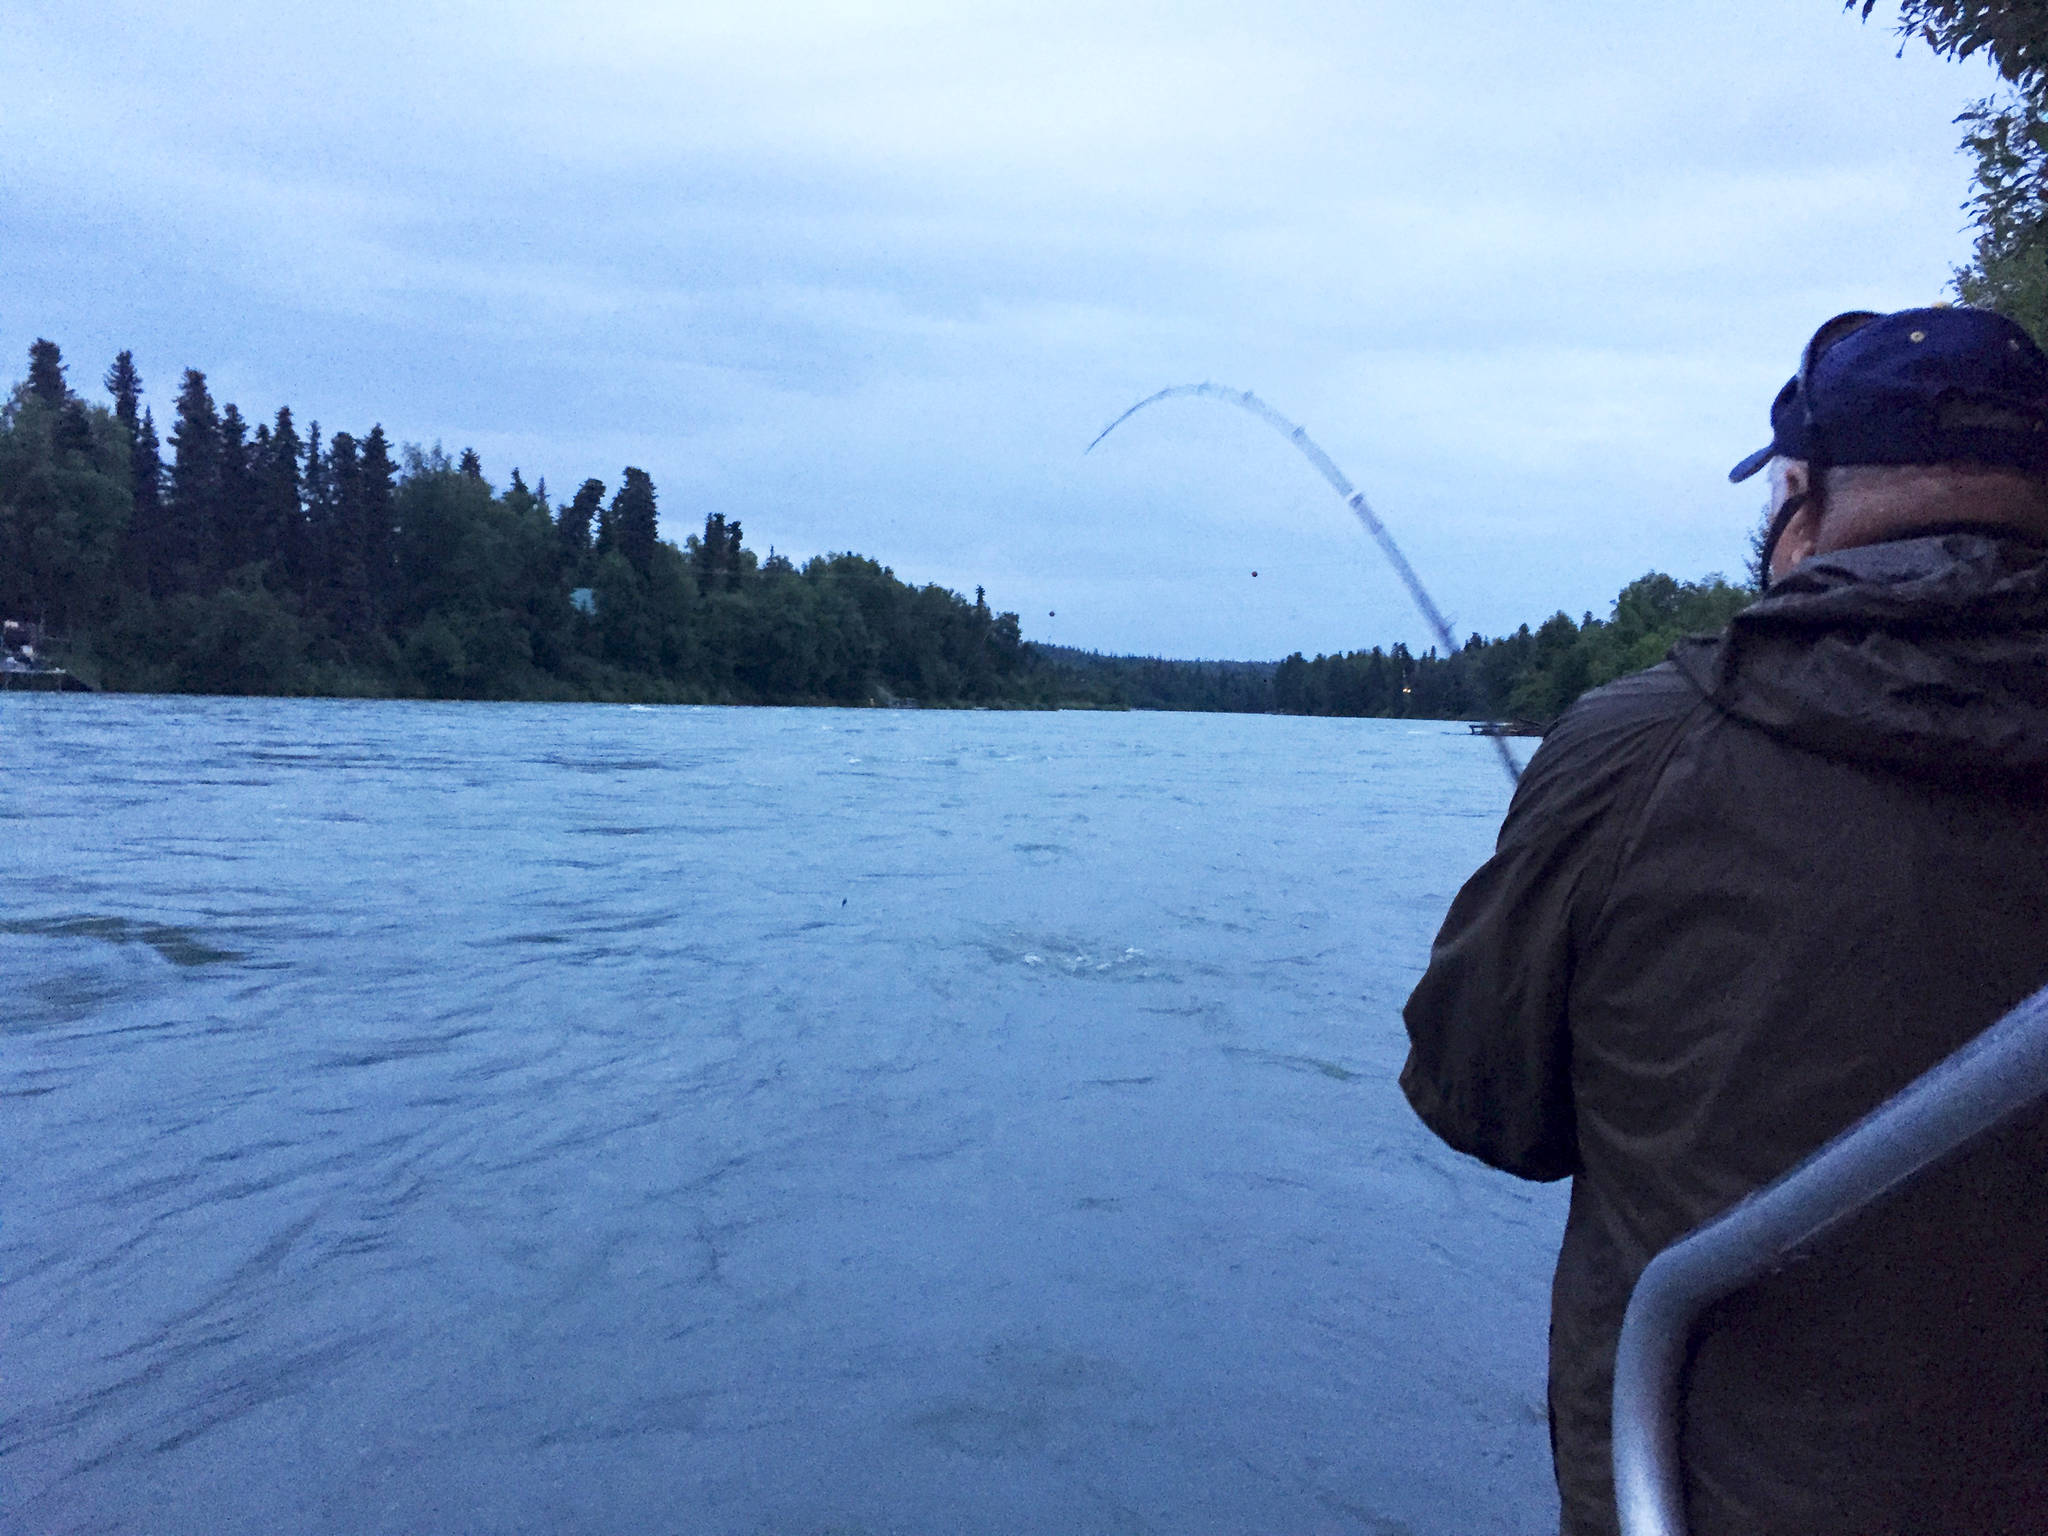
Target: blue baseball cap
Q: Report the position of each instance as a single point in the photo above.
(1923, 386)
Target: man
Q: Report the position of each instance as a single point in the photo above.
(1742, 898)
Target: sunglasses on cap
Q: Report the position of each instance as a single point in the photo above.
(1846, 324)
(1793, 427)
(1843, 326)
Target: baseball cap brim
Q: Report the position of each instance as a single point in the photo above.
(1753, 463)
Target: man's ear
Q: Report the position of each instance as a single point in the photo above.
(1801, 535)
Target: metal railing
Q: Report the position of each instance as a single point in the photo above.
(1994, 1079)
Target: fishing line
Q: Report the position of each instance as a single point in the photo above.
(1353, 498)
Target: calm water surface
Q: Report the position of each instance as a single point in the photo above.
(474, 1118)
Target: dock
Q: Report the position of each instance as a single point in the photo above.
(42, 680)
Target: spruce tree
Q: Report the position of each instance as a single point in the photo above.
(345, 597)
(193, 505)
(259, 455)
(277, 502)
(46, 373)
(633, 519)
(239, 538)
(573, 529)
(377, 517)
(316, 547)
(125, 385)
(472, 467)
(149, 557)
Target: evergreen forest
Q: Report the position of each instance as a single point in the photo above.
(221, 557)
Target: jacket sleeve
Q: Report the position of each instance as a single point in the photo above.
(1489, 1060)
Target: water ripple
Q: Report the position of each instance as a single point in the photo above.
(434, 1117)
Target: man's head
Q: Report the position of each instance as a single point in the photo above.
(1894, 423)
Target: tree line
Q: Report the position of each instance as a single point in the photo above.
(1530, 675)
(222, 558)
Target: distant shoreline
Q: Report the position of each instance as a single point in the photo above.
(261, 561)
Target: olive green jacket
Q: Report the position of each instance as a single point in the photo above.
(1738, 900)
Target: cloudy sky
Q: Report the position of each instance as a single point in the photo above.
(870, 275)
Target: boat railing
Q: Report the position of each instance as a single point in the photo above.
(1990, 1082)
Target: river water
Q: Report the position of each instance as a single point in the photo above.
(476, 1118)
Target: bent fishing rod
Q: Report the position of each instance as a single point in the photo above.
(1352, 497)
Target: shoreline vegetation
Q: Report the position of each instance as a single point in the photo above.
(266, 561)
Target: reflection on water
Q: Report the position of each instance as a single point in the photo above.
(479, 1118)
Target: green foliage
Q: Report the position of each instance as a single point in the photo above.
(2007, 137)
(242, 638)
(64, 504)
(2012, 33)
(2009, 268)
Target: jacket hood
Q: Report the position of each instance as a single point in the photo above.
(1928, 655)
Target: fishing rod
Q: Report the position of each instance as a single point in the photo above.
(1352, 497)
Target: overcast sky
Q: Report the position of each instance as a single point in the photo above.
(870, 276)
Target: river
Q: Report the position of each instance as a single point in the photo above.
(476, 1118)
